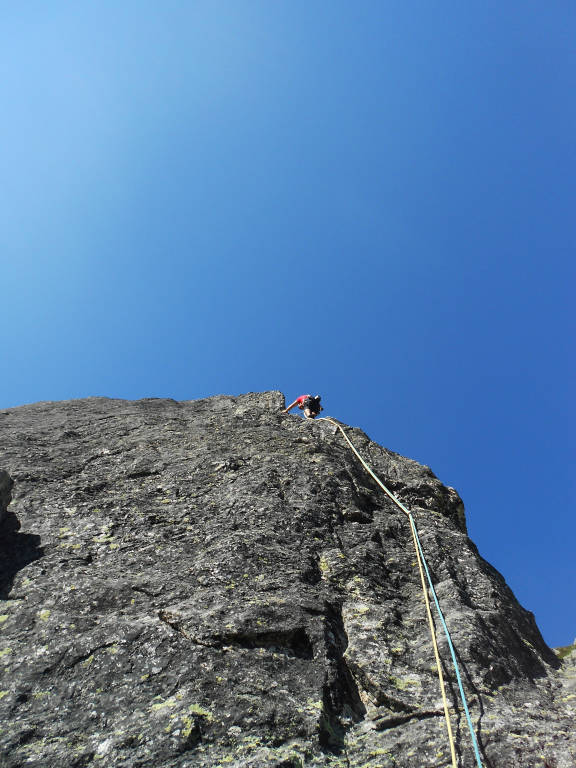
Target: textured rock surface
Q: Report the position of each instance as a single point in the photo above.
(213, 583)
(5, 495)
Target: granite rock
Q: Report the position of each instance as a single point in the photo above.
(212, 583)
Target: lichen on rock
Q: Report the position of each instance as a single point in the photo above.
(213, 583)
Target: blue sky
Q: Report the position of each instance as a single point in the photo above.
(373, 201)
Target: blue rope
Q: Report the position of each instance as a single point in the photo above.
(447, 633)
(440, 614)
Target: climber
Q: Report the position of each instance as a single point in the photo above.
(310, 405)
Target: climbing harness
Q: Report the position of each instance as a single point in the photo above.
(423, 567)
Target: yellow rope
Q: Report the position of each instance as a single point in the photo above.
(424, 590)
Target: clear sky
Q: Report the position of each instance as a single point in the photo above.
(372, 200)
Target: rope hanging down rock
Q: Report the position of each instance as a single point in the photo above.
(423, 566)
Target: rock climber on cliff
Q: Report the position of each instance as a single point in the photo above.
(310, 405)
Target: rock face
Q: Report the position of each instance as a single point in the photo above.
(5, 493)
(212, 583)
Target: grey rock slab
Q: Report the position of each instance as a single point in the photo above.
(214, 583)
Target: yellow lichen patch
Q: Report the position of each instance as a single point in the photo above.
(5, 652)
(171, 702)
(402, 683)
(4, 617)
(4, 693)
(187, 726)
(44, 615)
(196, 709)
(251, 742)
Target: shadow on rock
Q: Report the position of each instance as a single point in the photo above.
(16, 551)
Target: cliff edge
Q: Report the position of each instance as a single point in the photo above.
(213, 584)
